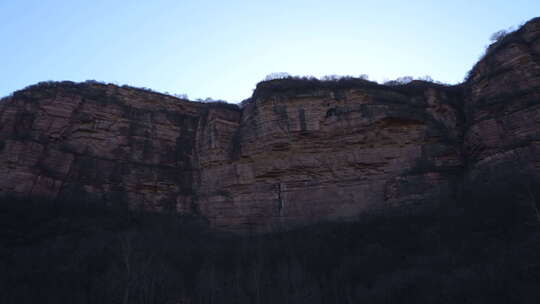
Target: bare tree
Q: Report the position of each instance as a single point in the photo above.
(364, 76)
(498, 35)
(126, 254)
(277, 75)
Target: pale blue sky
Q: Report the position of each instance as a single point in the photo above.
(222, 49)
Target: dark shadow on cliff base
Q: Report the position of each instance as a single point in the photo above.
(485, 251)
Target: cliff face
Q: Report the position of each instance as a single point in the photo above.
(297, 153)
(285, 158)
(95, 142)
(320, 154)
(502, 108)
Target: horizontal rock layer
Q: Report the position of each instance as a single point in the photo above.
(502, 109)
(298, 152)
(329, 154)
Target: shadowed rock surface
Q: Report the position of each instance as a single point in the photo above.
(298, 152)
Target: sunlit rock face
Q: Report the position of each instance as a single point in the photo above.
(298, 152)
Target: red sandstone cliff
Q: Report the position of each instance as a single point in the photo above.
(502, 111)
(319, 153)
(298, 152)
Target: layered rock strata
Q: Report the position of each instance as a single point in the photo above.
(502, 110)
(299, 151)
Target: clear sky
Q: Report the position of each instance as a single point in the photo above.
(221, 49)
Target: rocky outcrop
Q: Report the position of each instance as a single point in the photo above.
(283, 159)
(319, 153)
(95, 142)
(502, 111)
(299, 151)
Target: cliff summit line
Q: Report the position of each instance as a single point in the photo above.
(298, 152)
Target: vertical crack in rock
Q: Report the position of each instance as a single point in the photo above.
(281, 203)
(302, 119)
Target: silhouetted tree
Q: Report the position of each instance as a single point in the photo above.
(277, 75)
(498, 35)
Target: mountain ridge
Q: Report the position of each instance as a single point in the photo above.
(298, 151)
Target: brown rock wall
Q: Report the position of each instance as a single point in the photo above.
(316, 157)
(299, 152)
(503, 108)
(98, 142)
